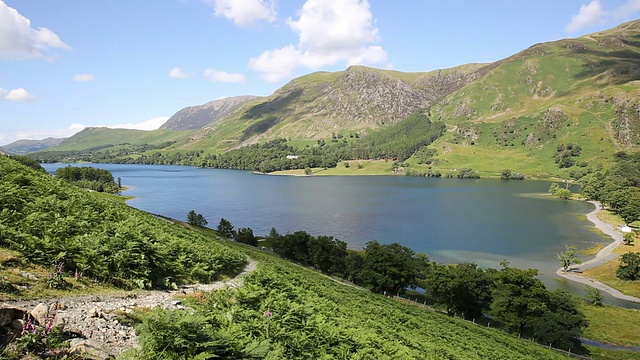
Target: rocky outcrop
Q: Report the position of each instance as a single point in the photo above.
(197, 117)
(93, 323)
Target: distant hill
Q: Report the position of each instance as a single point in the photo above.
(520, 113)
(22, 147)
(197, 117)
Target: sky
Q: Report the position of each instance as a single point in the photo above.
(69, 64)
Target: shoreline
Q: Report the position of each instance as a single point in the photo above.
(603, 256)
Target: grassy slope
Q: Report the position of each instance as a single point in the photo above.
(574, 76)
(388, 328)
(93, 137)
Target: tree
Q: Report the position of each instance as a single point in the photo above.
(561, 323)
(519, 298)
(294, 247)
(563, 194)
(629, 268)
(307, 171)
(245, 236)
(568, 257)
(553, 189)
(196, 219)
(629, 238)
(464, 288)
(389, 267)
(225, 228)
(594, 296)
(327, 254)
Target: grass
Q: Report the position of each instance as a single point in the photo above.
(612, 324)
(367, 167)
(592, 250)
(607, 274)
(30, 281)
(605, 354)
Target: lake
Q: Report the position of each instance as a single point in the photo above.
(452, 220)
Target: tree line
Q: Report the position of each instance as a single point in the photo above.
(617, 188)
(88, 177)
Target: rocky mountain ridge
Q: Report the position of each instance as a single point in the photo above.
(197, 117)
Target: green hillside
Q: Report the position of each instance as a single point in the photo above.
(311, 315)
(95, 137)
(581, 91)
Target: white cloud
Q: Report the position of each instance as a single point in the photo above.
(151, 124)
(329, 32)
(244, 12)
(84, 77)
(589, 15)
(593, 14)
(18, 40)
(19, 94)
(177, 73)
(277, 64)
(223, 76)
(627, 10)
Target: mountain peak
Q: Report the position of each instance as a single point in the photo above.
(197, 117)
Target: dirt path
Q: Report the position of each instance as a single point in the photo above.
(603, 256)
(94, 316)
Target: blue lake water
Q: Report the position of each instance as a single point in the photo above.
(452, 220)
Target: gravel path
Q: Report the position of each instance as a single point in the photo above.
(94, 316)
(603, 256)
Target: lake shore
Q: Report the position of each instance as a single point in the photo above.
(603, 256)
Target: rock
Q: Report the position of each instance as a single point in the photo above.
(40, 313)
(9, 313)
(96, 313)
(17, 324)
(28, 275)
(59, 323)
(89, 349)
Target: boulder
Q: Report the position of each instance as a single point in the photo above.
(40, 313)
(88, 349)
(9, 313)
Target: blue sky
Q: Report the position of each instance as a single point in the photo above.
(67, 64)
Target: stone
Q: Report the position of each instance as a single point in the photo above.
(89, 349)
(9, 313)
(40, 313)
(17, 324)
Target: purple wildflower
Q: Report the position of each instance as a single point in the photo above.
(268, 314)
(27, 327)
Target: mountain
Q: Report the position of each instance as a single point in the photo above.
(321, 104)
(556, 109)
(583, 91)
(22, 147)
(197, 117)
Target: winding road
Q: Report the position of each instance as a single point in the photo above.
(603, 256)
